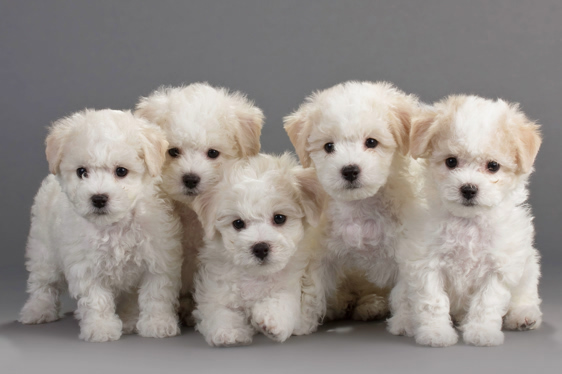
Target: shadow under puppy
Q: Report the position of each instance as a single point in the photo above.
(355, 135)
(207, 128)
(479, 263)
(99, 226)
(251, 265)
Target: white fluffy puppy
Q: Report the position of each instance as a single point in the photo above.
(98, 226)
(250, 273)
(206, 127)
(356, 136)
(479, 264)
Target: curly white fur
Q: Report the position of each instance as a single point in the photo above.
(120, 260)
(477, 262)
(196, 119)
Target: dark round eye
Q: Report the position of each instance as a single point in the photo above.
(451, 162)
(121, 172)
(371, 143)
(493, 166)
(174, 152)
(82, 173)
(279, 219)
(213, 153)
(329, 147)
(238, 224)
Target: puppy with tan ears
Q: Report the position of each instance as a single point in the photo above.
(207, 128)
(99, 226)
(479, 264)
(251, 265)
(356, 136)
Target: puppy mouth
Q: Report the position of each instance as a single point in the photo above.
(191, 193)
(352, 186)
(100, 212)
(469, 203)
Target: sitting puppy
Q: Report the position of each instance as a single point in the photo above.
(356, 136)
(251, 265)
(479, 264)
(207, 128)
(99, 226)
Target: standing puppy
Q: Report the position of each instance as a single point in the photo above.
(99, 226)
(356, 136)
(251, 265)
(207, 128)
(479, 264)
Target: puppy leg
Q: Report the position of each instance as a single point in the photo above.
(313, 301)
(483, 322)
(96, 312)
(128, 311)
(158, 302)
(431, 311)
(524, 311)
(401, 321)
(44, 285)
(277, 315)
(222, 326)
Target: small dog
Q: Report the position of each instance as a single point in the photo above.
(207, 128)
(99, 225)
(356, 136)
(479, 264)
(251, 266)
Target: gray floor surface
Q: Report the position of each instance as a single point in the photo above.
(339, 347)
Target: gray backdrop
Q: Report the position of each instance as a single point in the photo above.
(58, 57)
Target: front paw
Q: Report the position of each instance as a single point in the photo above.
(101, 329)
(523, 318)
(161, 326)
(229, 337)
(440, 336)
(482, 336)
(370, 307)
(400, 325)
(35, 312)
(272, 324)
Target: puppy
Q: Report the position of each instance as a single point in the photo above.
(207, 128)
(356, 135)
(251, 265)
(99, 226)
(479, 264)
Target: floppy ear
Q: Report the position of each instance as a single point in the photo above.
(402, 114)
(58, 134)
(423, 129)
(250, 120)
(312, 194)
(206, 208)
(298, 126)
(528, 141)
(154, 146)
(153, 107)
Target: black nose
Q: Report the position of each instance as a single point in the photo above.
(469, 191)
(99, 201)
(260, 250)
(191, 180)
(350, 172)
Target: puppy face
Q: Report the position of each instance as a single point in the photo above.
(206, 127)
(104, 160)
(259, 211)
(479, 151)
(350, 133)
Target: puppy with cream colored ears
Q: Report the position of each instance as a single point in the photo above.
(479, 264)
(207, 128)
(252, 263)
(99, 225)
(356, 136)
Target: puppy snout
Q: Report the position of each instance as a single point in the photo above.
(260, 250)
(469, 191)
(350, 172)
(191, 180)
(99, 201)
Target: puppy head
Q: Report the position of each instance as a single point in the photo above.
(351, 133)
(260, 210)
(206, 127)
(478, 150)
(104, 160)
